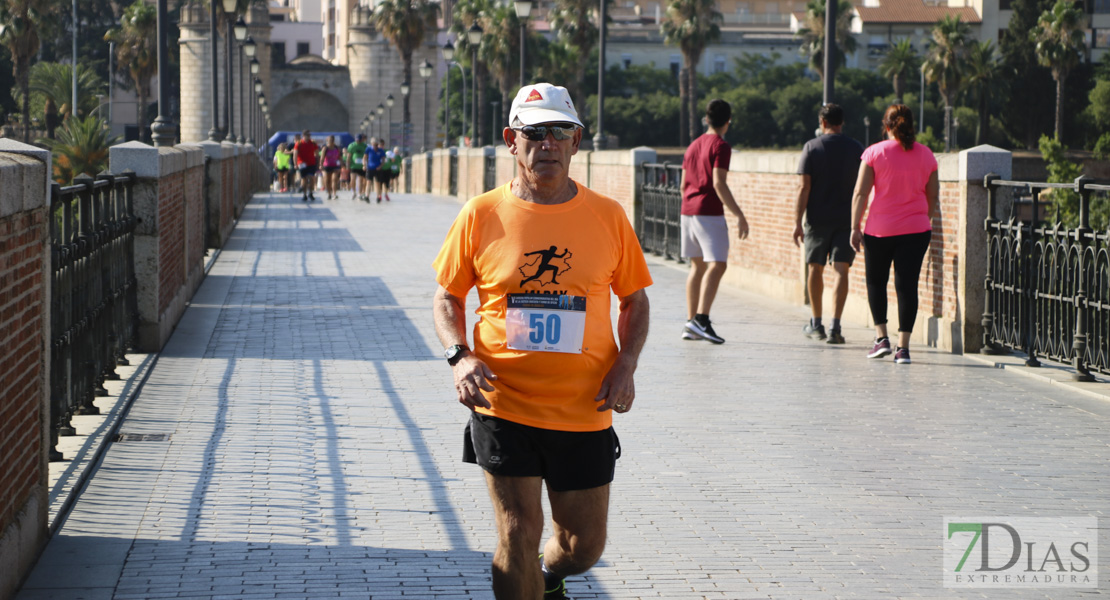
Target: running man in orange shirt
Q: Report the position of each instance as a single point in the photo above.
(531, 424)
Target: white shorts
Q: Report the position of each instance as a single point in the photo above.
(705, 237)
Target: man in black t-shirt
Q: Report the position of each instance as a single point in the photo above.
(828, 167)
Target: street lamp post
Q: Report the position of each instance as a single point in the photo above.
(256, 130)
(229, 10)
(163, 131)
(255, 68)
(241, 36)
(866, 130)
(214, 134)
(523, 9)
(405, 89)
(389, 120)
(425, 74)
(383, 125)
(921, 119)
(599, 137)
(448, 55)
(474, 37)
(249, 48)
(493, 124)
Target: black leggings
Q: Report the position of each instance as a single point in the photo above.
(906, 252)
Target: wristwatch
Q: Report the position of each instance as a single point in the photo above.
(454, 353)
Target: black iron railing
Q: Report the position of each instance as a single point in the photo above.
(491, 173)
(659, 227)
(94, 308)
(453, 175)
(1048, 285)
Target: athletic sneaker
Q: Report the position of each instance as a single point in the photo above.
(814, 333)
(559, 593)
(881, 349)
(690, 335)
(379, 199)
(387, 196)
(835, 337)
(902, 356)
(705, 332)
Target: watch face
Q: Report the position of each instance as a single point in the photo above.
(452, 352)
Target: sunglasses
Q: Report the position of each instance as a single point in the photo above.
(538, 133)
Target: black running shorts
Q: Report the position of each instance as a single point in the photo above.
(828, 244)
(566, 460)
(307, 170)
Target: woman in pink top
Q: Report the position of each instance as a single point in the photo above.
(329, 160)
(899, 227)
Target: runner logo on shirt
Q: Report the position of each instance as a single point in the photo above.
(545, 261)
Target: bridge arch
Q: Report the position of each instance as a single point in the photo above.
(311, 109)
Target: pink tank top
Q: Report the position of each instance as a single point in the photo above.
(331, 157)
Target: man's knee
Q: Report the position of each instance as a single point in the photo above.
(583, 549)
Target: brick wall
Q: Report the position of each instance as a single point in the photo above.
(171, 246)
(194, 214)
(24, 329)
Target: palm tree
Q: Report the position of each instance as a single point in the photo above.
(467, 13)
(691, 25)
(405, 23)
(81, 147)
(499, 51)
(24, 19)
(54, 81)
(559, 61)
(945, 64)
(813, 34)
(984, 77)
(571, 19)
(1059, 38)
(136, 42)
(900, 61)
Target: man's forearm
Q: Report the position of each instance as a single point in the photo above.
(632, 325)
(449, 314)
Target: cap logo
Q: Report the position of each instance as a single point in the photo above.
(534, 95)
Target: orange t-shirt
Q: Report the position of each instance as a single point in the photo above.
(547, 270)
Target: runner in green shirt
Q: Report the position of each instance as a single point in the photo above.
(283, 165)
(353, 155)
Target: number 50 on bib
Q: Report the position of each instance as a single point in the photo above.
(545, 322)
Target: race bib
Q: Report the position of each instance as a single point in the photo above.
(545, 322)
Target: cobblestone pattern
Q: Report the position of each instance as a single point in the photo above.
(315, 445)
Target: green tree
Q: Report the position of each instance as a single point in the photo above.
(983, 78)
(812, 34)
(572, 20)
(1026, 111)
(1059, 36)
(900, 62)
(691, 25)
(945, 64)
(136, 41)
(559, 62)
(1062, 170)
(23, 18)
(500, 52)
(81, 146)
(467, 13)
(405, 23)
(54, 81)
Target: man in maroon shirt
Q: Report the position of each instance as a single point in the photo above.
(705, 195)
(305, 154)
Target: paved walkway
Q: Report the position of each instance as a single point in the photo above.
(310, 445)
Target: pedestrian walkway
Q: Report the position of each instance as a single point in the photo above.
(299, 438)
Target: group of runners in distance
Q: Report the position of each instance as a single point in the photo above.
(367, 165)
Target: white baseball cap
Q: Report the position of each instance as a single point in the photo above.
(543, 103)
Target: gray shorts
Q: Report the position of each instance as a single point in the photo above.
(705, 237)
(828, 244)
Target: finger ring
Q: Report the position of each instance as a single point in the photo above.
(620, 407)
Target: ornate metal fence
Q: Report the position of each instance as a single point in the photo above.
(659, 228)
(491, 173)
(1048, 286)
(94, 308)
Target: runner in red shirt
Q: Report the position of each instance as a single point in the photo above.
(305, 152)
